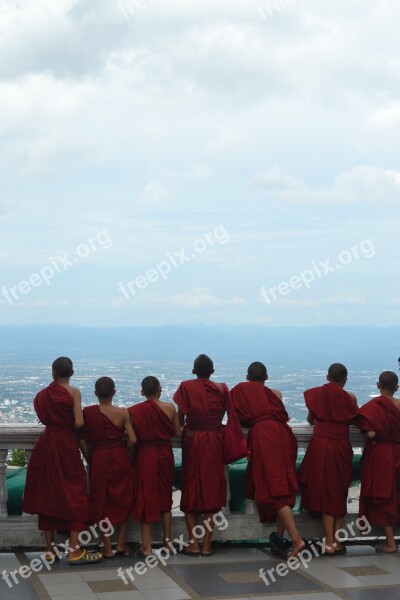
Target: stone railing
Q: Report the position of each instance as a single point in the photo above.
(24, 436)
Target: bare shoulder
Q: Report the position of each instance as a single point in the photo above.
(352, 395)
(277, 393)
(75, 393)
(168, 407)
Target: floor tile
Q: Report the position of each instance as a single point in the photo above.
(169, 594)
(67, 589)
(374, 594)
(121, 596)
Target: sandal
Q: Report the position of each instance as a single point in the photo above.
(86, 558)
(50, 556)
(381, 548)
(187, 553)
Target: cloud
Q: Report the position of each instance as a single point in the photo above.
(362, 184)
(154, 193)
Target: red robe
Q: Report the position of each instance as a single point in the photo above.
(380, 466)
(326, 471)
(203, 476)
(154, 461)
(271, 475)
(111, 470)
(56, 485)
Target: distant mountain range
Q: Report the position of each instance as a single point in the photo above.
(298, 345)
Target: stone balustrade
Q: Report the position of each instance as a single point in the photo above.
(22, 530)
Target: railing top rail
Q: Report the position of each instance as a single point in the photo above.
(25, 435)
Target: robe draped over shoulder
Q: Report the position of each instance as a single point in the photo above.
(270, 476)
(203, 476)
(111, 470)
(326, 471)
(56, 484)
(154, 461)
(380, 465)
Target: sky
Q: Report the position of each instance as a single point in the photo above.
(215, 162)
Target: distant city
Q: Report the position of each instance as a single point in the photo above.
(296, 359)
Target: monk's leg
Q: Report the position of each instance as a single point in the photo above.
(328, 523)
(75, 549)
(146, 537)
(280, 527)
(107, 550)
(191, 522)
(286, 516)
(121, 541)
(209, 527)
(166, 520)
(49, 537)
(390, 541)
(337, 526)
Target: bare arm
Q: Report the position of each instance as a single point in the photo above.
(85, 450)
(177, 424)
(132, 439)
(355, 400)
(181, 418)
(77, 408)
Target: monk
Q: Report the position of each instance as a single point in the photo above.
(155, 422)
(379, 419)
(202, 404)
(326, 471)
(111, 470)
(271, 474)
(56, 487)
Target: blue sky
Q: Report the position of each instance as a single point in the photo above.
(173, 161)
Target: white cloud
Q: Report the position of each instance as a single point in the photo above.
(154, 193)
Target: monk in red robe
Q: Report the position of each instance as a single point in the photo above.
(111, 470)
(326, 471)
(155, 423)
(202, 404)
(271, 474)
(379, 419)
(56, 486)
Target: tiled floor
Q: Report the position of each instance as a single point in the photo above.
(232, 572)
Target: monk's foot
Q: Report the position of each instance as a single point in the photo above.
(297, 547)
(126, 551)
(386, 549)
(192, 549)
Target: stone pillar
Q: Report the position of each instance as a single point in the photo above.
(227, 510)
(28, 454)
(3, 485)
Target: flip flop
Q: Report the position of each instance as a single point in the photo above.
(50, 556)
(187, 553)
(277, 544)
(86, 558)
(381, 549)
(140, 554)
(206, 554)
(108, 557)
(129, 553)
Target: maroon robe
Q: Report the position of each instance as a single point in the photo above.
(56, 486)
(203, 476)
(111, 470)
(271, 475)
(326, 471)
(380, 465)
(154, 461)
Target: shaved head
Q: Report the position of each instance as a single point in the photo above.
(337, 373)
(388, 381)
(62, 367)
(257, 372)
(150, 386)
(203, 366)
(104, 387)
